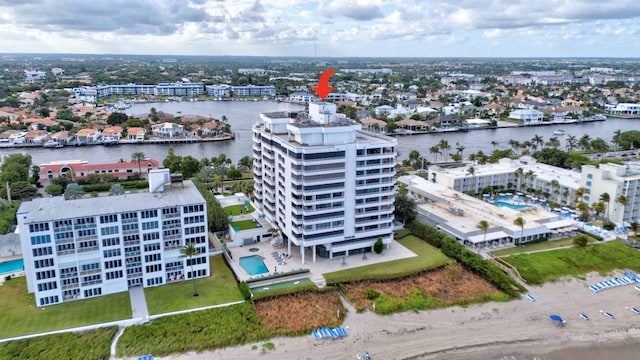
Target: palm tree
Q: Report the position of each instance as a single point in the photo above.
(617, 136)
(460, 149)
(585, 142)
(605, 197)
(472, 171)
(435, 150)
(519, 174)
(515, 144)
(622, 200)
(484, 226)
(520, 221)
(189, 251)
(634, 226)
(445, 147)
(572, 143)
(138, 156)
(553, 142)
(537, 141)
(580, 193)
(494, 144)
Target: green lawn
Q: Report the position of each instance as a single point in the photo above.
(244, 224)
(536, 246)
(537, 268)
(428, 258)
(19, 315)
(221, 287)
(234, 210)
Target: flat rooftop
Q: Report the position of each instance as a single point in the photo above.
(462, 213)
(45, 209)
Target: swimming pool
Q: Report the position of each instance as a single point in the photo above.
(11, 266)
(253, 265)
(510, 205)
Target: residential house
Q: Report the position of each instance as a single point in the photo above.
(136, 133)
(112, 133)
(88, 136)
(35, 136)
(63, 137)
(373, 125)
(36, 124)
(383, 110)
(168, 130)
(411, 125)
(528, 117)
(80, 169)
(212, 128)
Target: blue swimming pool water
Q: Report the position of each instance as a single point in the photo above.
(253, 265)
(510, 205)
(11, 266)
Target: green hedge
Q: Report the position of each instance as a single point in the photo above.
(401, 234)
(450, 247)
(89, 345)
(290, 290)
(128, 185)
(279, 275)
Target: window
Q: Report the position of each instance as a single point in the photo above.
(193, 208)
(47, 286)
(92, 292)
(110, 242)
(43, 263)
(152, 247)
(198, 273)
(148, 214)
(149, 225)
(151, 236)
(65, 248)
(111, 230)
(169, 211)
(194, 219)
(91, 266)
(112, 264)
(132, 226)
(193, 230)
(87, 232)
(42, 251)
(40, 239)
(111, 253)
(114, 275)
(85, 221)
(197, 261)
(38, 227)
(154, 281)
(105, 219)
(588, 183)
(49, 300)
(153, 268)
(129, 216)
(152, 257)
(47, 274)
(589, 176)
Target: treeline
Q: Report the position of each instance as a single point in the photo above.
(468, 259)
(216, 217)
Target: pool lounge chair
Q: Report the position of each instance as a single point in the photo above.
(530, 297)
(584, 316)
(635, 310)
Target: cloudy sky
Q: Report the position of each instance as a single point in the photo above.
(429, 28)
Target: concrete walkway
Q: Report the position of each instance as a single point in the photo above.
(138, 303)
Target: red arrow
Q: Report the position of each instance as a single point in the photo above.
(323, 89)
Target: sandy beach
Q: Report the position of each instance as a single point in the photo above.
(484, 331)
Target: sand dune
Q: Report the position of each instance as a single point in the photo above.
(482, 331)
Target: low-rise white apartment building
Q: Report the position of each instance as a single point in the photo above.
(82, 248)
(528, 117)
(525, 174)
(623, 109)
(326, 184)
(615, 180)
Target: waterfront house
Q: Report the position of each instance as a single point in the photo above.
(528, 117)
(36, 124)
(35, 136)
(112, 133)
(373, 125)
(167, 130)
(212, 128)
(80, 169)
(63, 137)
(88, 136)
(136, 133)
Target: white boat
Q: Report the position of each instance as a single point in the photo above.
(53, 144)
(559, 132)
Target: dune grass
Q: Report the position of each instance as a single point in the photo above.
(428, 258)
(537, 246)
(539, 267)
(20, 316)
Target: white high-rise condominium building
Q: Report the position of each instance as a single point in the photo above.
(326, 184)
(615, 180)
(77, 249)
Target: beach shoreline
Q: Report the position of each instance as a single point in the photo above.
(484, 331)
